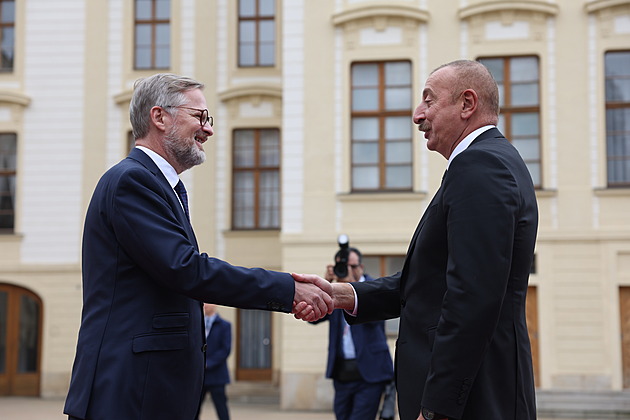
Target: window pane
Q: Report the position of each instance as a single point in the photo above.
(7, 48)
(143, 9)
(618, 145)
(247, 32)
(244, 200)
(143, 58)
(163, 34)
(365, 178)
(28, 335)
(267, 55)
(244, 149)
(524, 69)
(365, 99)
(525, 94)
(4, 301)
(397, 74)
(617, 63)
(397, 98)
(8, 12)
(247, 55)
(528, 148)
(364, 152)
(269, 199)
(525, 124)
(266, 31)
(398, 177)
(398, 152)
(495, 65)
(162, 57)
(365, 75)
(143, 35)
(8, 152)
(397, 128)
(534, 171)
(618, 90)
(365, 129)
(163, 9)
(267, 7)
(247, 8)
(501, 124)
(269, 148)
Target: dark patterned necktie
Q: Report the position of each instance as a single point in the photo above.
(183, 197)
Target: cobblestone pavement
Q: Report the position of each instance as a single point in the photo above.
(31, 408)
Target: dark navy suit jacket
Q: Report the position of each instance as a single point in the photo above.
(219, 346)
(463, 348)
(370, 343)
(140, 347)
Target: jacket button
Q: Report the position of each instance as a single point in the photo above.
(204, 348)
(403, 302)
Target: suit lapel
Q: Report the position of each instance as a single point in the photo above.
(141, 157)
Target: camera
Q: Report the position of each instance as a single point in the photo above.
(341, 258)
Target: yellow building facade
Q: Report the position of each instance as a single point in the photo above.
(312, 101)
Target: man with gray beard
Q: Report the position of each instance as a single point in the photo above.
(140, 352)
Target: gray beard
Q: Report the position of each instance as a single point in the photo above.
(185, 156)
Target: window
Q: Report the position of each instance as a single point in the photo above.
(152, 34)
(381, 126)
(7, 34)
(256, 33)
(617, 68)
(8, 154)
(256, 179)
(518, 80)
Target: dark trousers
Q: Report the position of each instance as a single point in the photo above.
(219, 399)
(357, 400)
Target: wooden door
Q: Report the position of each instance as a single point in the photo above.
(20, 341)
(624, 309)
(531, 308)
(253, 346)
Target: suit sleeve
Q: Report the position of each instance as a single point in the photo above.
(480, 200)
(377, 299)
(148, 230)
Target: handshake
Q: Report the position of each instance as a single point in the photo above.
(315, 297)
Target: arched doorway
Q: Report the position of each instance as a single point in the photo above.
(20, 341)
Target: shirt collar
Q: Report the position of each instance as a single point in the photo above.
(463, 145)
(169, 172)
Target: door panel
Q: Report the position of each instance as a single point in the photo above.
(254, 346)
(624, 309)
(20, 341)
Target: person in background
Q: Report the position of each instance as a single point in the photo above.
(463, 348)
(359, 362)
(219, 340)
(140, 350)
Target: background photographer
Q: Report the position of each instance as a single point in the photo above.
(359, 362)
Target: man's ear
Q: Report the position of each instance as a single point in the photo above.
(158, 116)
(470, 101)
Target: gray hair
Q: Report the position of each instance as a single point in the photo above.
(474, 75)
(163, 89)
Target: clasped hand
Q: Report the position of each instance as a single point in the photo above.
(313, 297)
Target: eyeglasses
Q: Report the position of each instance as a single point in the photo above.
(204, 117)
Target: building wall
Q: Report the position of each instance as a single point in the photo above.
(67, 100)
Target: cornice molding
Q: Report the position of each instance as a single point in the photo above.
(377, 11)
(123, 97)
(597, 5)
(500, 6)
(14, 98)
(250, 90)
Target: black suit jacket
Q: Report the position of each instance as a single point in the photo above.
(141, 342)
(219, 347)
(463, 348)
